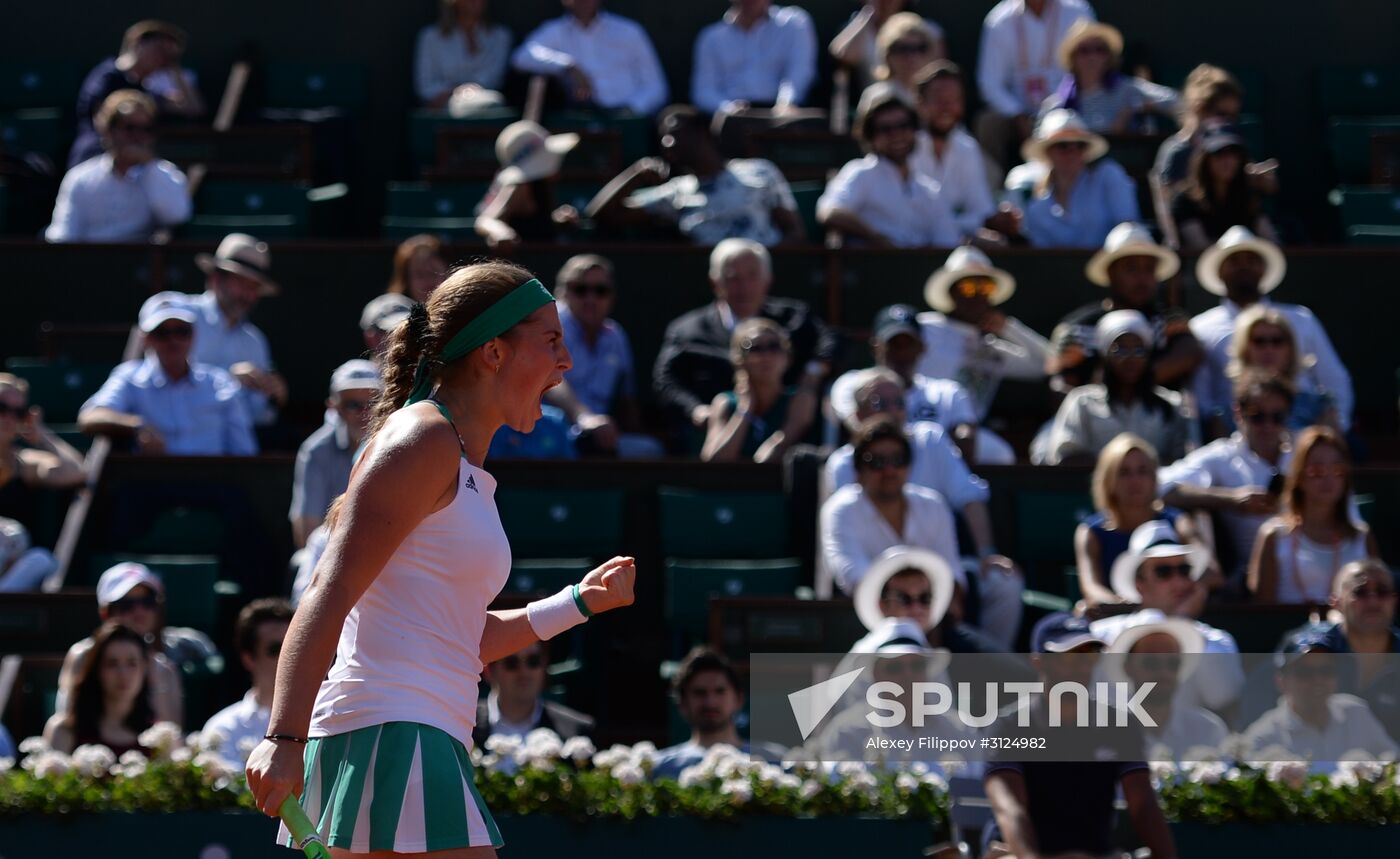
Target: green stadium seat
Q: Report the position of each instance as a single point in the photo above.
(1360, 90)
(59, 388)
(266, 209)
(561, 523)
(546, 575)
(1377, 206)
(315, 85)
(1373, 236)
(691, 583)
(26, 84)
(806, 195)
(637, 133)
(38, 129)
(45, 622)
(1349, 140)
(182, 531)
(192, 585)
(701, 524)
(1045, 524)
(424, 124)
(36, 689)
(442, 209)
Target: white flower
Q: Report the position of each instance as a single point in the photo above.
(788, 781)
(738, 790)
(6, 764)
(50, 764)
(611, 757)
(1237, 747)
(578, 749)
(130, 766)
(543, 742)
(1195, 754)
(644, 754)
(32, 746)
(769, 773)
(953, 765)
(846, 769)
(1293, 774)
(906, 782)
(918, 768)
(1163, 770)
(692, 776)
(628, 774)
(213, 740)
(1359, 768)
(162, 738)
(93, 760)
(503, 745)
(810, 788)
(543, 763)
(131, 757)
(721, 751)
(1207, 772)
(728, 768)
(181, 755)
(936, 781)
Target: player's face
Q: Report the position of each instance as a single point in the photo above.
(536, 359)
(710, 701)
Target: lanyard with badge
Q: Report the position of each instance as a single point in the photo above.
(1037, 87)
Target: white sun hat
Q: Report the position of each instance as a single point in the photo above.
(965, 261)
(527, 152)
(1239, 238)
(1130, 240)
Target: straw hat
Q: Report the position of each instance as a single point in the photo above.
(1236, 239)
(240, 253)
(1188, 639)
(965, 261)
(1155, 539)
(1130, 240)
(527, 152)
(1062, 125)
(940, 578)
(1086, 30)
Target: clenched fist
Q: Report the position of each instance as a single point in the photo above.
(609, 585)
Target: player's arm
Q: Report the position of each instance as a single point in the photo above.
(606, 587)
(1148, 820)
(1006, 791)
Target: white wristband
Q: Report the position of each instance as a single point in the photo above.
(552, 615)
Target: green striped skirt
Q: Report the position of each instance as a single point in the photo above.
(401, 786)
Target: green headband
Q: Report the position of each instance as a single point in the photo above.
(493, 322)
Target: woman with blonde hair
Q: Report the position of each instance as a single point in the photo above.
(905, 45)
(761, 418)
(1265, 340)
(1109, 101)
(419, 266)
(857, 45)
(1298, 553)
(1124, 488)
(462, 52)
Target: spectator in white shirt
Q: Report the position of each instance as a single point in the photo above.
(1313, 721)
(1298, 555)
(1165, 576)
(880, 200)
(604, 60)
(883, 509)
(126, 193)
(233, 731)
(1241, 476)
(699, 193)
(462, 49)
(758, 55)
(325, 459)
(1243, 269)
(967, 339)
(237, 278)
(857, 45)
(1018, 67)
(945, 151)
(1170, 654)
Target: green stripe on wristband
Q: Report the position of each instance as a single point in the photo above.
(582, 606)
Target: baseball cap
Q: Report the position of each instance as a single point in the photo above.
(118, 581)
(1299, 644)
(1061, 632)
(162, 307)
(385, 312)
(1216, 136)
(356, 374)
(895, 320)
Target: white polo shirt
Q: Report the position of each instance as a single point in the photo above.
(242, 723)
(942, 401)
(1218, 678)
(977, 360)
(937, 464)
(911, 212)
(1350, 725)
(853, 533)
(961, 174)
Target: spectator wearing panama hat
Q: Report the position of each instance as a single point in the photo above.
(1108, 100)
(1243, 269)
(1163, 575)
(520, 204)
(237, 278)
(1081, 193)
(1130, 266)
(967, 339)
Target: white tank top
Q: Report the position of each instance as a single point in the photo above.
(1306, 567)
(410, 650)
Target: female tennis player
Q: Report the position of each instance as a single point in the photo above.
(416, 554)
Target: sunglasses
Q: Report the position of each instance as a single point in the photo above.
(904, 600)
(1372, 593)
(1076, 145)
(513, 662)
(875, 462)
(134, 127)
(1325, 471)
(909, 48)
(1127, 352)
(1278, 341)
(763, 347)
(1155, 663)
(169, 332)
(1092, 48)
(891, 127)
(1275, 418)
(150, 603)
(583, 290)
(13, 411)
(972, 287)
(1163, 572)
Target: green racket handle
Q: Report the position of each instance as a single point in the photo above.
(303, 833)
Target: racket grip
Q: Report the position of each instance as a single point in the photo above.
(303, 833)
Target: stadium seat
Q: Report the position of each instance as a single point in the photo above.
(1373, 236)
(1349, 140)
(37, 129)
(265, 209)
(691, 583)
(31, 700)
(182, 531)
(45, 623)
(561, 523)
(636, 134)
(1045, 523)
(32, 83)
(806, 195)
(444, 210)
(701, 524)
(1360, 90)
(59, 388)
(193, 588)
(546, 575)
(317, 85)
(1378, 206)
(803, 154)
(423, 134)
